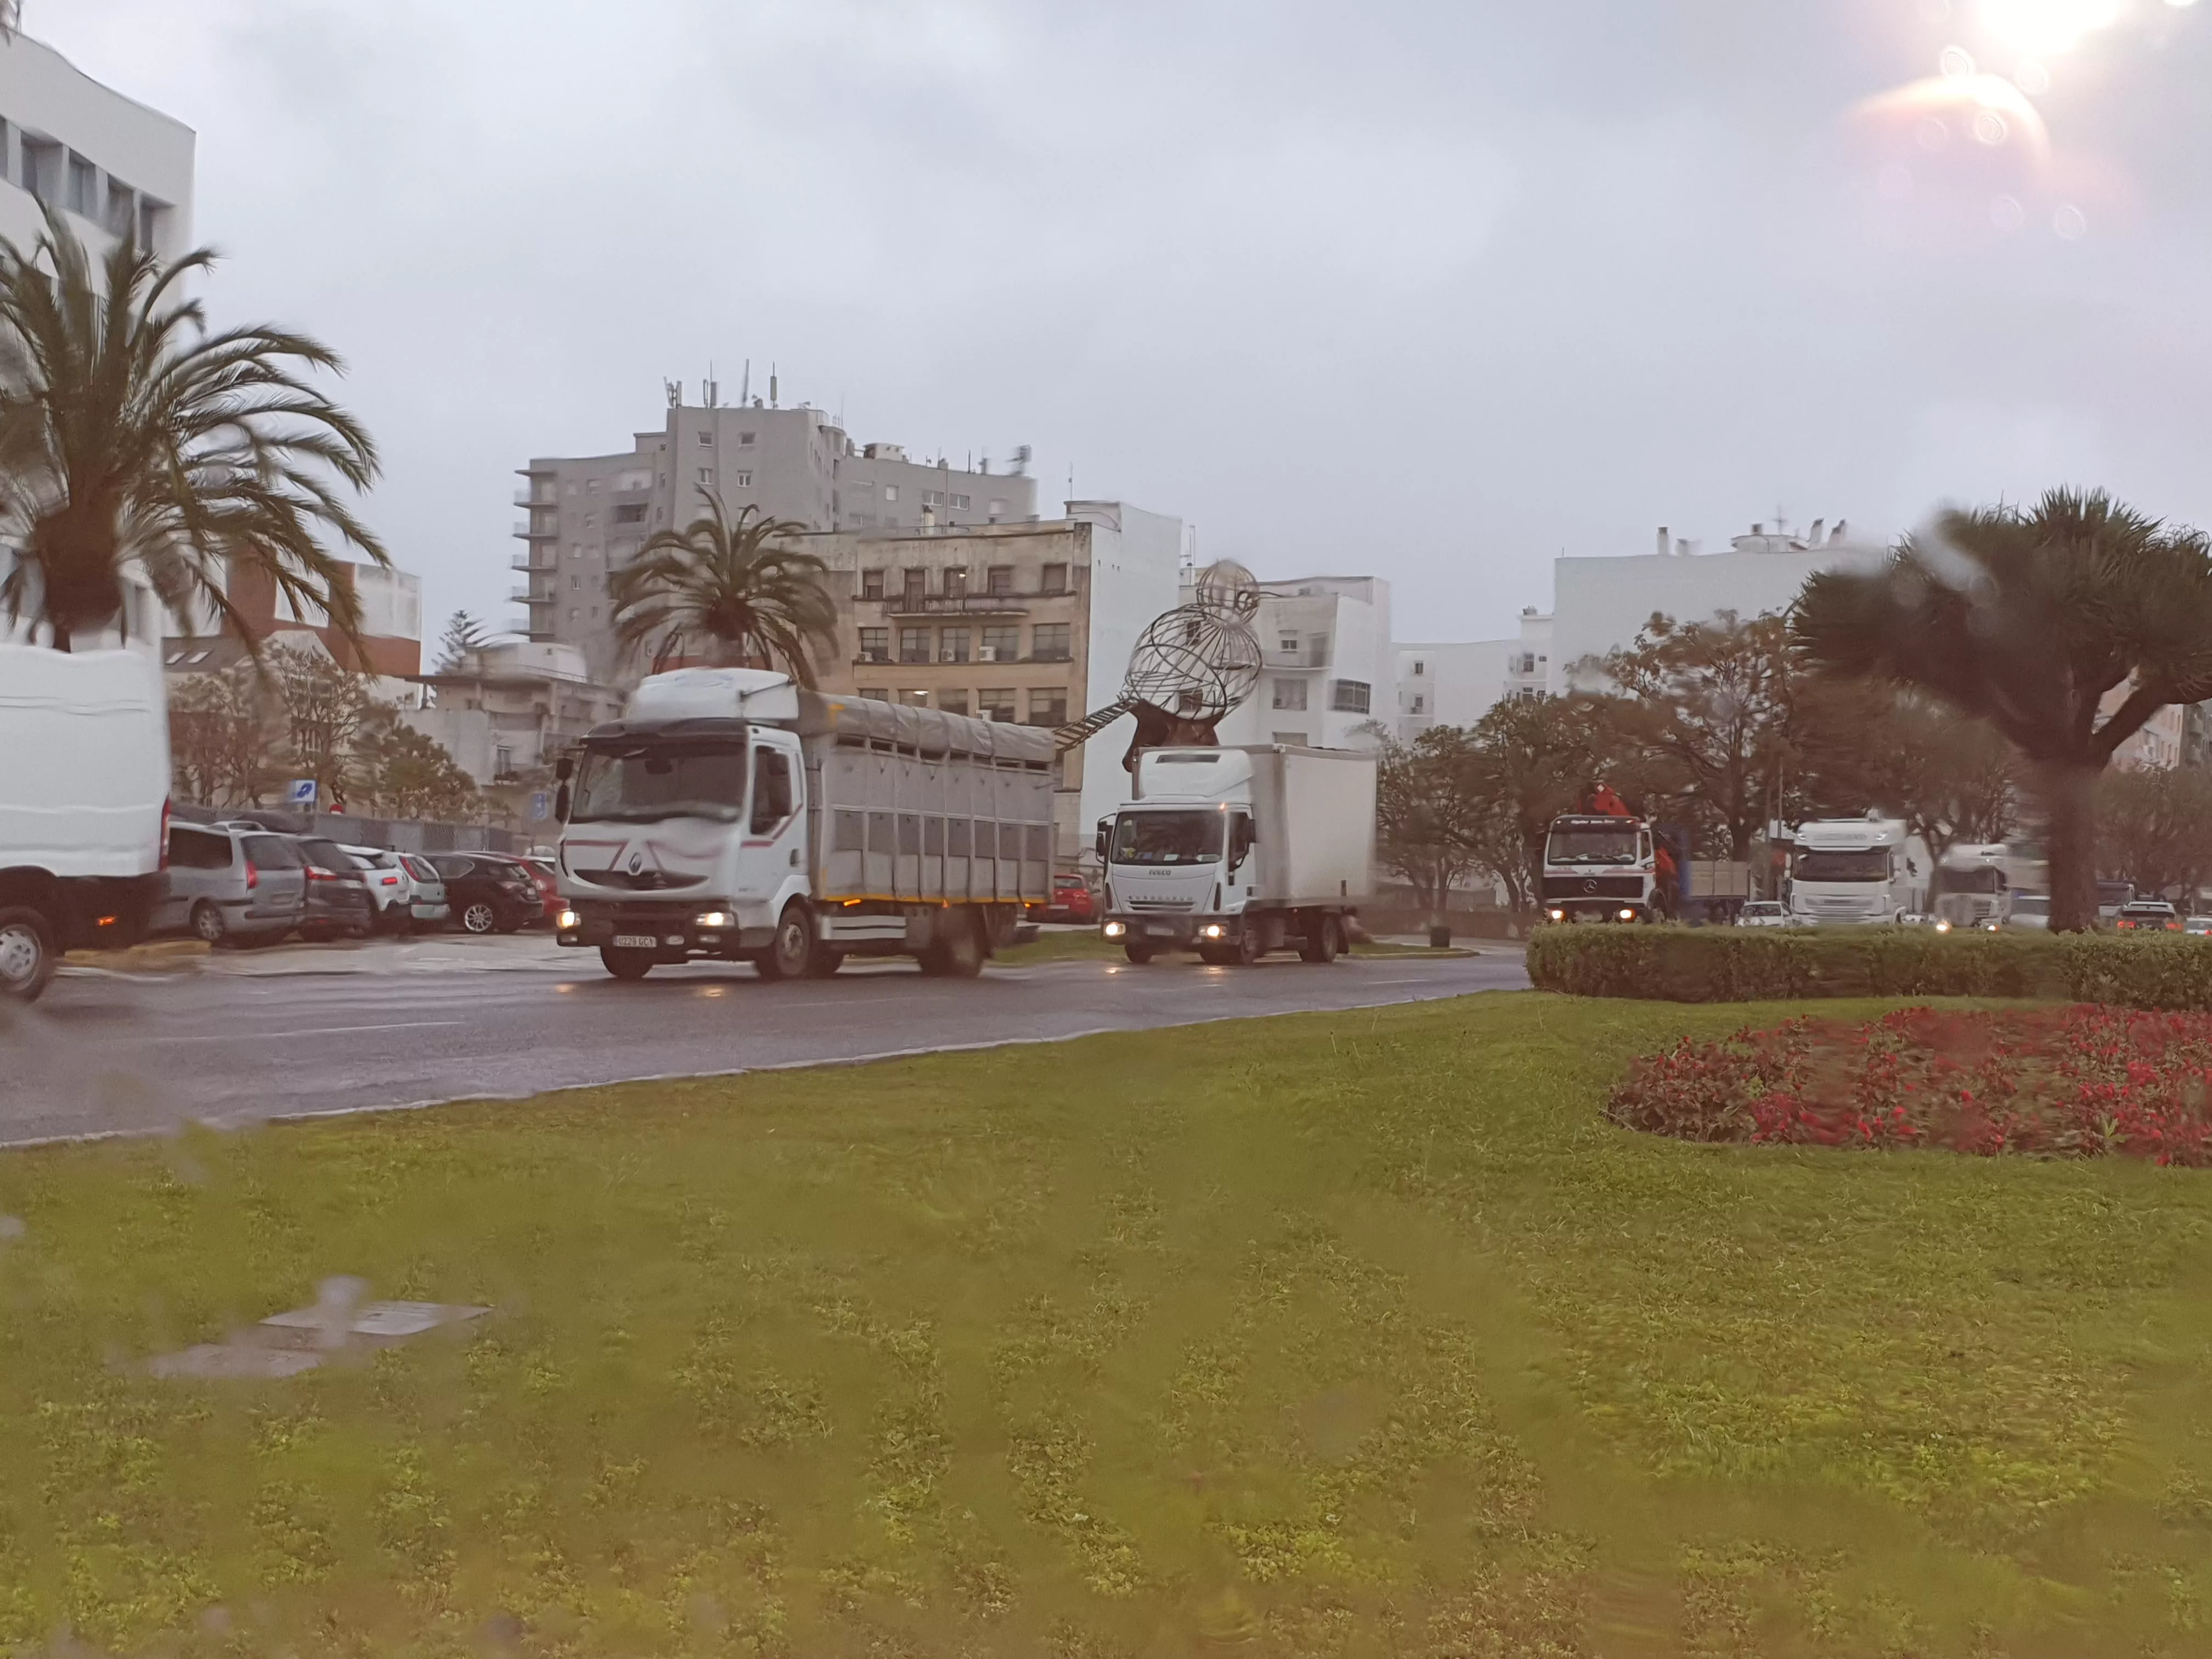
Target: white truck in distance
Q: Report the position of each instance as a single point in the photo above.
(1854, 872)
(84, 804)
(731, 815)
(1238, 852)
(1602, 868)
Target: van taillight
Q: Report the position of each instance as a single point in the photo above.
(252, 876)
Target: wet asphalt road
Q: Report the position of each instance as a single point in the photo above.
(107, 1054)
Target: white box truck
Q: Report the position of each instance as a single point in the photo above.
(84, 806)
(732, 814)
(1238, 852)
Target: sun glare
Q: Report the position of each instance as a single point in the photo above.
(2045, 28)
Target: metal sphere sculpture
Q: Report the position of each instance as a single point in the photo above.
(1191, 665)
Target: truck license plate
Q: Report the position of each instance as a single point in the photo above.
(637, 942)
(1158, 930)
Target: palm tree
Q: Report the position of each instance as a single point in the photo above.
(2034, 621)
(132, 437)
(726, 585)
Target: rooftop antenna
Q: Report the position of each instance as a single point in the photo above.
(673, 390)
(710, 389)
(745, 385)
(771, 385)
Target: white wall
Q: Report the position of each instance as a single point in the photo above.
(44, 94)
(1457, 684)
(1136, 560)
(1342, 627)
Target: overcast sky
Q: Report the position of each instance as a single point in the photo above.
(1435, 291)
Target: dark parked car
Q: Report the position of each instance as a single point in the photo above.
(338, 892)
(486, 893)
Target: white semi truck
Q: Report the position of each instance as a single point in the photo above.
(84, 804)
(731, 814)
(1236, 852)
(1853, 871)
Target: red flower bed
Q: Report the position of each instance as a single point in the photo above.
(2076, 1082)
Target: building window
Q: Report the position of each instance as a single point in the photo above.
(574, 613)
(630, 512)
(998, 507)
(1048, 705)
(122, 209)
(876, 693)
(705, 440)
(1349, 696)
(1048, 641)
(952, 703)
(998, 579)
(952, 645)
(890, 492)
(871, 584)
(744, 480)
(1419, 704)
(83, 187)
(706, 474)
(1289, 643)
(914, 645)
(1053, 578)
(1295, 739)
(575, 584)
(914, 698)
(591, 521)
(932, 498)
(995, 705)
(1001, 643)
(915, 584)
(744, 441)
(956, 583)
(1290, 693)
(960, 503)
(875, 645)
(1419, 668)
(42, 167)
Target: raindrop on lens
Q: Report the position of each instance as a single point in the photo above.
(2031, 78)
(1932, 134)
(2069, 223)
(1989, 127)
(2006, 213)
(1956, 62)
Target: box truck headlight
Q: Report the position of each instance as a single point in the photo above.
(1628, 916)
(1213, 930)
(1116, 929)
(566, 922)
(1942, 926)
(713, 918)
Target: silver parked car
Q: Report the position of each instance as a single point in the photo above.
(426, 892)
(2030, 911)
(232, 883)
(1762, 913)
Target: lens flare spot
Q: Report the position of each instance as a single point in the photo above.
(2031, 78)
(1956, 62)
(1989, 128)
(2069, 223)
(2045, 28)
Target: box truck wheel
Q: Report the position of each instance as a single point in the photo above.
(1140, 954)
(26, 953)
(957, 952)
(625, 964)
(791, 954)
(1324, 939)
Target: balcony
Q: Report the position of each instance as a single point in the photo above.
(533, 559)
(1312, 656)
(953, 604)
(524, 528)
(523, 596)
(527, 498)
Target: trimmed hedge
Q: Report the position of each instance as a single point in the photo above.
(1732, 964)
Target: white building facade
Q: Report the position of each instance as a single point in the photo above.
(1328, 674)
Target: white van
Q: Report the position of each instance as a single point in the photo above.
(84, 805)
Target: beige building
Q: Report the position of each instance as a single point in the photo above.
(506, 714)
(1027, 623)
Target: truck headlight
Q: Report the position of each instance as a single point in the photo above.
(1942, 926)
(1116, 929)
(1212, 930)
(712, 919)
(1628, 916)
(568, 920)
(1558, 915)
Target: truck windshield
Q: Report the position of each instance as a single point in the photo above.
(661, 780)
(1168, 838)
(1854, 864)
(1586, 843)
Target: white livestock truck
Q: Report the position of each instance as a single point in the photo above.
(1236, 852)
(1853, 871)
(731, 814)
(84, 805)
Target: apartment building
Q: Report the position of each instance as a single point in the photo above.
(113, 166)
(507, 714)
(589, 516)
(1328, 673)
(1031, 622)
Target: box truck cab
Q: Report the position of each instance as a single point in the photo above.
(732, 814)
(84, 801)
(1236, 852)
(1854, 872)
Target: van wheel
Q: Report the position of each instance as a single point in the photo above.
(208, 924)
(957, 953)
(1140, 954)
(26, 954)
(791, 954)
(625, 964)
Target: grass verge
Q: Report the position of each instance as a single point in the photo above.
(1089, 946)
(1333, 1334)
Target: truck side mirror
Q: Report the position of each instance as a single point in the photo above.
(565, 768)
(1105, 833)
(561, 802)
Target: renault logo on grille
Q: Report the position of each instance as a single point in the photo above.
(636, 862)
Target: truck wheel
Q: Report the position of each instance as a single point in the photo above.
(957, 954)
(208, 924)
(1140, 954)
(791, 954)
(1246, 948)
(26, 954)
(625, 964)
(1217, 956)
(1323, 941)
(825, 963)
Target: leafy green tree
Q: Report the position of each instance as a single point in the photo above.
(409, 774)
(2066, 626)
(1862, 744)
(222, 735)
(1536, 758)
(130, 437)
(2156, 828)
(727, 589)
(328, 711)
(1431, 814)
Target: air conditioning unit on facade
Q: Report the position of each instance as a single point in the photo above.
(986, 654)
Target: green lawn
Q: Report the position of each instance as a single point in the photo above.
(1338, 1335)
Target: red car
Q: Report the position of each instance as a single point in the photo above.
(549, 885)
(1072, 900)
